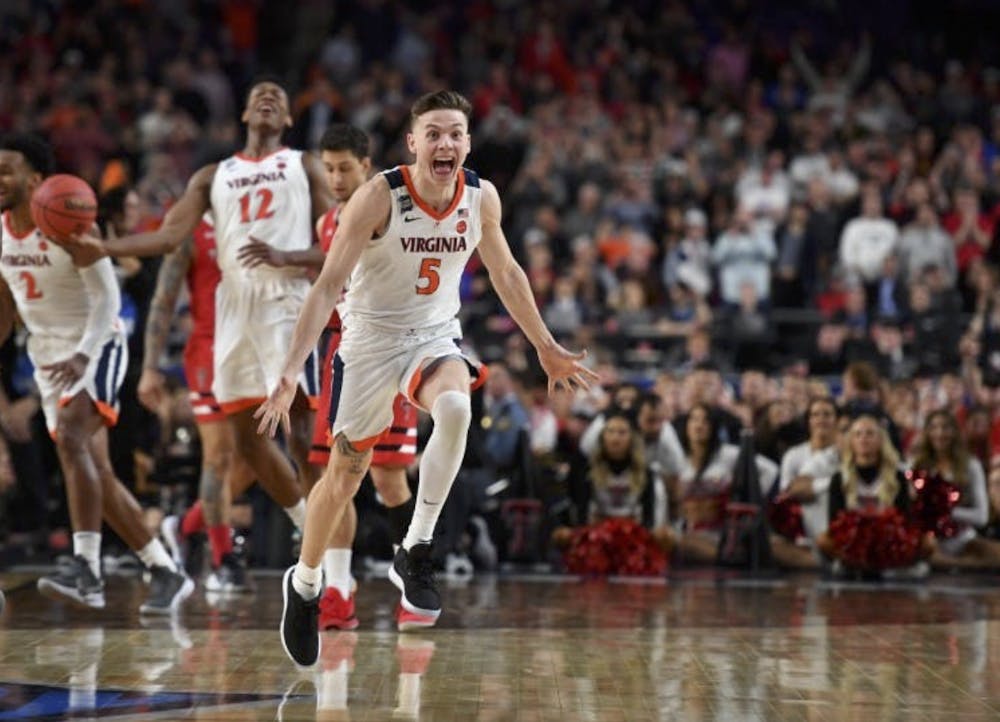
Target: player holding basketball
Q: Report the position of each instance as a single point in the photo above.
(77, 345)
(344, 151)
(266, 193)
(404, 238)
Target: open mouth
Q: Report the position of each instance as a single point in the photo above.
(443, 166)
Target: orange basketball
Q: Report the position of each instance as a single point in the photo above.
(63, 205)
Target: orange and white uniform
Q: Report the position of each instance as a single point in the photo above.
(398, 447)
(256, 309)
(401, 306)
(67, 310)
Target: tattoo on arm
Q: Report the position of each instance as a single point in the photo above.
(161, 309)
(356, 460)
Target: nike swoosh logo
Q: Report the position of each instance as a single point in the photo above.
(407, 219)
(431, 503)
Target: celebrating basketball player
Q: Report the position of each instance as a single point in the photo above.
(345, 156)
(266, 193)
(404, 238)
(77, 345)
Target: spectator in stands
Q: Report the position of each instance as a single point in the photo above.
(924, 243)
(505, 421)
(743, 255)
(868, 239)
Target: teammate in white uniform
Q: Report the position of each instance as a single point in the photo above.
(77, 345)
(265, 195)
(404, 238)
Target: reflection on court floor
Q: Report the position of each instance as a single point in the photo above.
(700, 646)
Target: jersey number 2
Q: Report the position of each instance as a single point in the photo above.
(428, 272)
(263, 206)
(31, 291)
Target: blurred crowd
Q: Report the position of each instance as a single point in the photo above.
(726, 203)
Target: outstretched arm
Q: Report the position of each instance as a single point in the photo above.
(178, 224)
(366, 212)
(152, 385)
(511, 284)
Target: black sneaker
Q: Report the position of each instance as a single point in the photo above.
(413, 574)
(75, 581)
(299, 624)
(230, 577)
(167, 590)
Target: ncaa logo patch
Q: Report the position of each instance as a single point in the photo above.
(405, 203)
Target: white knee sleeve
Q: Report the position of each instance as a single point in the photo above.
(452, 414)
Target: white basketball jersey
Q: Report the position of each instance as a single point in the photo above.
(267, 198)
(50, 295)
(409, 277)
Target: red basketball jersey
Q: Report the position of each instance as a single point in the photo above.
(202, 278)
(327, 228)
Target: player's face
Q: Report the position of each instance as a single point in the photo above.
(267, 107)
(17, 180)
(345, 172)
(440, 141)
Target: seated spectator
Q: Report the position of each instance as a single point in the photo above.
(698, 498)
(749, 330)
(890, 298)
(689, 260)
(941, 450)
(827, 355)
(970, 228)
(704, 385)
(564, 313)
(795, 268)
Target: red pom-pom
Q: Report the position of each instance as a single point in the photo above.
(785, 516)
(614, 546)
(935, 498)
(874, 541)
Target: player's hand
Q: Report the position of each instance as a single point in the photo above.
(152, 389)
(16, 419)
(85, 248)
(257, 253)
(274, 411)
(66, 373)
(564, 369)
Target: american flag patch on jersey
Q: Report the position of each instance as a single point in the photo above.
(463, 212)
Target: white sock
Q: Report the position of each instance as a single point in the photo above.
(87, 544)
(439, 464)
(337, 568)
(155, 555)
(297, 513)
(307, 580)
(408, 694)
(83, 687)
(332, 692)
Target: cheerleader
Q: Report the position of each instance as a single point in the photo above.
(869, 481)
(699, 496)
(940, 450)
